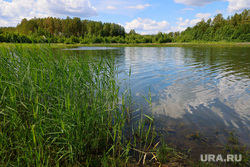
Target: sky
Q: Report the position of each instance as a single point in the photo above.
(145, 16)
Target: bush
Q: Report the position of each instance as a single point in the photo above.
(67, 41)
(61, 40)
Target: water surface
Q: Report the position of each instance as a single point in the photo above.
(93, 48)
(203, 89)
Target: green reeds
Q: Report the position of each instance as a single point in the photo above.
(58, 109)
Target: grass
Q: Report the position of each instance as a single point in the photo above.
(198, 137)
(233, 147)
(57, 108)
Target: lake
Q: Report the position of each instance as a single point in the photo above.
(204, 90)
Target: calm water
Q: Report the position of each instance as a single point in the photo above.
(205, 89)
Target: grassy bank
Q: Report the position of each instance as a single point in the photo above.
(187, 44)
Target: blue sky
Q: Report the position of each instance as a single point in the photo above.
(145, 16)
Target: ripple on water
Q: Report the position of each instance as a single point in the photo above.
(211, 84)
(204, 87)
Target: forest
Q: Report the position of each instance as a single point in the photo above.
(235, 28)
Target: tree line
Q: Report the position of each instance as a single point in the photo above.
(235, 28)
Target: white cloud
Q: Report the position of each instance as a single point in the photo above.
(203, 15)
(196, 2)
(189, 23)
(185, 9)
(81, 8)
(177, 28)
(12, 12)
(15, 7)
(147, 26)
(234, 5)
(238, 5)
(111, 7)
(139, 6)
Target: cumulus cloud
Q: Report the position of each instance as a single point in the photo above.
(147, 26)
(189, 23)
(238, 5)
(203, 15)
(12, 12)
(197, 3)
(139, 6)
(66, 7)
(15, 7)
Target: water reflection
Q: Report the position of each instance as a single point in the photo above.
(92, 48)
(205, 85)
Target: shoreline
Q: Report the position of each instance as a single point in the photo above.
(189, 44)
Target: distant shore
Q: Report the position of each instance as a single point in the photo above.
(186, 44)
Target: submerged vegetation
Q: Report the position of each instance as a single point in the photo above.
(72, 31)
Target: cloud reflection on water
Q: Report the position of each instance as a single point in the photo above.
(184, 80)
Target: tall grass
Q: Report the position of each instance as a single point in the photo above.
(58, 109)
